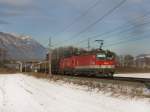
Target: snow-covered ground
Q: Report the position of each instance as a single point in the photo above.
(134, 75)
(20, 93)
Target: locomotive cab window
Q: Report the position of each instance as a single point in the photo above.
(101, 56)
(110, 57)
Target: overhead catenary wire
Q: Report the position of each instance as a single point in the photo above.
(131, 39)
(97, 21)
(128, 40)
(112, 31)
(80, 16)
(125, 41)
(126, 30)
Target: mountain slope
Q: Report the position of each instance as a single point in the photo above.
(19, 47)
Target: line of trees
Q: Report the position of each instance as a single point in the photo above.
(125, 61)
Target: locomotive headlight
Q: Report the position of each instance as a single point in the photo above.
(106, 63)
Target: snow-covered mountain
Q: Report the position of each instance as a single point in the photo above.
(19, 47)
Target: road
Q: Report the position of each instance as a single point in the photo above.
(21, 93)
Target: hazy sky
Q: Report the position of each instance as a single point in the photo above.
(56, 18)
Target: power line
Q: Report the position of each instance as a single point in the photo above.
(113, 30)
(122, 41)
(123, 31)
(50, 56)
(128, 40)
(81, 16)
(99, 19)
(129, 29)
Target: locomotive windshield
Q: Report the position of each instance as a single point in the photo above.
(104, 57)
(101, 56)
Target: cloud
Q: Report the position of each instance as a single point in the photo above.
(137, 1)
(4, 22)
(11, 8)
(16, 2)
(9, 13)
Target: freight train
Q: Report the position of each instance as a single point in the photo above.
(90, 64)
(100, 63)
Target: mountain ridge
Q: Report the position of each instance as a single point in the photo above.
(20, 47)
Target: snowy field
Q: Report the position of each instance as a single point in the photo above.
(134, 75)
(20, 93)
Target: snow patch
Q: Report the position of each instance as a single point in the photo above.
(134, 75)
(20, 93)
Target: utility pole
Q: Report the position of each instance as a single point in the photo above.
(25, 67)
(45, 67)
(50, 56)
(20, 66)
(88, 44)
(101, 42)
(57, 57)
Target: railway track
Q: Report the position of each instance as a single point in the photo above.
(142, 80)
(145, 81)
(116, 86)
(130, 79)
(125, 81)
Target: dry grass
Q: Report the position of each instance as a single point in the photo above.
(7, 71)
(116, 89)
(39, 75)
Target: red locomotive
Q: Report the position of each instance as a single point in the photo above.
(88, 64)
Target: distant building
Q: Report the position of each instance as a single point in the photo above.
(143, 61)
